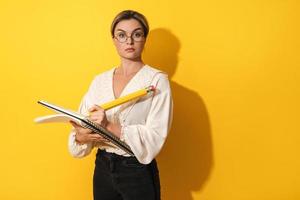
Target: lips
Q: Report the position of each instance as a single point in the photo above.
(129, 49)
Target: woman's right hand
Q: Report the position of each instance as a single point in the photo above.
(85, 135)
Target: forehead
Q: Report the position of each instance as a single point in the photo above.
(128, 25)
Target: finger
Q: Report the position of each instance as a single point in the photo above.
(95, 136)
(96, 117)
(103, 140)
(74, 124)
(86, 131)
(100, 139)
(100, 114)
(95, 108)
(78, 127)
(81, 130)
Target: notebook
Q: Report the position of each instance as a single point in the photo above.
(65, 115)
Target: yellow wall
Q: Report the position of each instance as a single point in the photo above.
(234, 68)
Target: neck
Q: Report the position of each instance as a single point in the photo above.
(128, 67)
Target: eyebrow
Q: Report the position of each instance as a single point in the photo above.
(132, 31)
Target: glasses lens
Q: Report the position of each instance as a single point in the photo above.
(138, 36)
(121, 37)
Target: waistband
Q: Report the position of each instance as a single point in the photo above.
(112, 157)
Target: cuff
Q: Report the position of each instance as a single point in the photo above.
(76, 144)
(123, 132)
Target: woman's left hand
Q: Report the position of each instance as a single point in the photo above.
(97, 114)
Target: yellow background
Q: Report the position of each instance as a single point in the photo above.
(234, 70)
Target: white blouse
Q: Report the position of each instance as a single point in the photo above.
(145, 122)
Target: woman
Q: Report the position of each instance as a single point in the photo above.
(142, 124)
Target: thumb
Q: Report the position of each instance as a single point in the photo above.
(74, 124)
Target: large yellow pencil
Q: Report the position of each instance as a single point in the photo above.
(127, 98)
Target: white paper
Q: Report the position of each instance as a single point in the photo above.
(56, 118)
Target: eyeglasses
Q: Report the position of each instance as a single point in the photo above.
(137, 36)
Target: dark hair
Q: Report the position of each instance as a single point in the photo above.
(130, 14)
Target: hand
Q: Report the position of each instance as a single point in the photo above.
(85, 135)
(98, 115)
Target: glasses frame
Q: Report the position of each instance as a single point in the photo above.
(143, 36)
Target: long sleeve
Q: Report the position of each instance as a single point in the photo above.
(75, 149)
(146, 140)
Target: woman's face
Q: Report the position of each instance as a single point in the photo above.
(129, 39)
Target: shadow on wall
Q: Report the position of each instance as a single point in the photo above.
(186, 160)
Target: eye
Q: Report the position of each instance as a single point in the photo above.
(121, 35)
(138, 34)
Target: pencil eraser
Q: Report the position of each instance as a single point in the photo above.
(152, 88)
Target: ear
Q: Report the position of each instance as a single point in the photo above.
(114, 41)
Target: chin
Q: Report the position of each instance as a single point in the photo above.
(131, 57)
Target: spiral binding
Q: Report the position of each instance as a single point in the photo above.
(107, 135)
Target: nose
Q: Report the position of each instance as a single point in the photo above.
(129, 40)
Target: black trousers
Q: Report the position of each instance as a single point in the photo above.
(124, 178)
